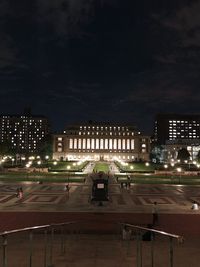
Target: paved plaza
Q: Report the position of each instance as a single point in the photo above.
(50, 203)
(138, 198)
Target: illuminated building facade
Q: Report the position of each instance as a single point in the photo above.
(169, 127)
(94, 141)
(24, 133)
(172, 148)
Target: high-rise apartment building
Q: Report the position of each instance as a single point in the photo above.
(24, 133)
(169, 127)
(101, 141)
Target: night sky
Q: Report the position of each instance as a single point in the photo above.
(102, 60)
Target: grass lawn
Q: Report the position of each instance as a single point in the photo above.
(64, 166)
(41, 177)
(136, 167)
(161, 179)
(104, 167)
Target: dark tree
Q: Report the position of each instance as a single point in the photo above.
(183, 154)
(156, 154)
(198, 156)
(5, 149)
(46, 147)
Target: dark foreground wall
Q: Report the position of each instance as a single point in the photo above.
(182, 224)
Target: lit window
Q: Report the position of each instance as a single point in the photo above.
(92, 144)
(97, 143)
(88, 143)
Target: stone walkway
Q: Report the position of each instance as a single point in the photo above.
(137, 199)
(50, 203)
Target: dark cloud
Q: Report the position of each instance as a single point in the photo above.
(122, 61)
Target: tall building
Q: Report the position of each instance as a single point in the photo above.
(101, 141)
(179, 127)
(24, 133)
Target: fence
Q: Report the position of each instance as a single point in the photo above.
(140, 234)
(41, 245)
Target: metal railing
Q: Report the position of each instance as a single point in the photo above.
(50, 245)
(137, 233)
(47, 230)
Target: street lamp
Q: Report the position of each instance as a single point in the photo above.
(47, 161)
(39, 163)
(179, 170)
(27, 167)
(68, 168)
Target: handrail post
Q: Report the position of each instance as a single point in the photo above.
(45, 247)
(51, 247)
(62, 240)
(5, 243)
(152, 249)
(139, 250)
(171, 251)
(30, 247)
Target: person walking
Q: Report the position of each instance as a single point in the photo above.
(20, 193)
(155, 213)
(17, 192)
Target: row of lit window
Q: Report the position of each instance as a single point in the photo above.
(103, 128)
(175, 130)
(60, 149)
(34, 145)
(96, 156)
(184, 124)
(181, 121)
(101, 143)
(183, 128)
(103, 133)
(23, 133)
(183, 136)
(61, 144)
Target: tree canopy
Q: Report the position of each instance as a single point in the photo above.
(183, 154)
